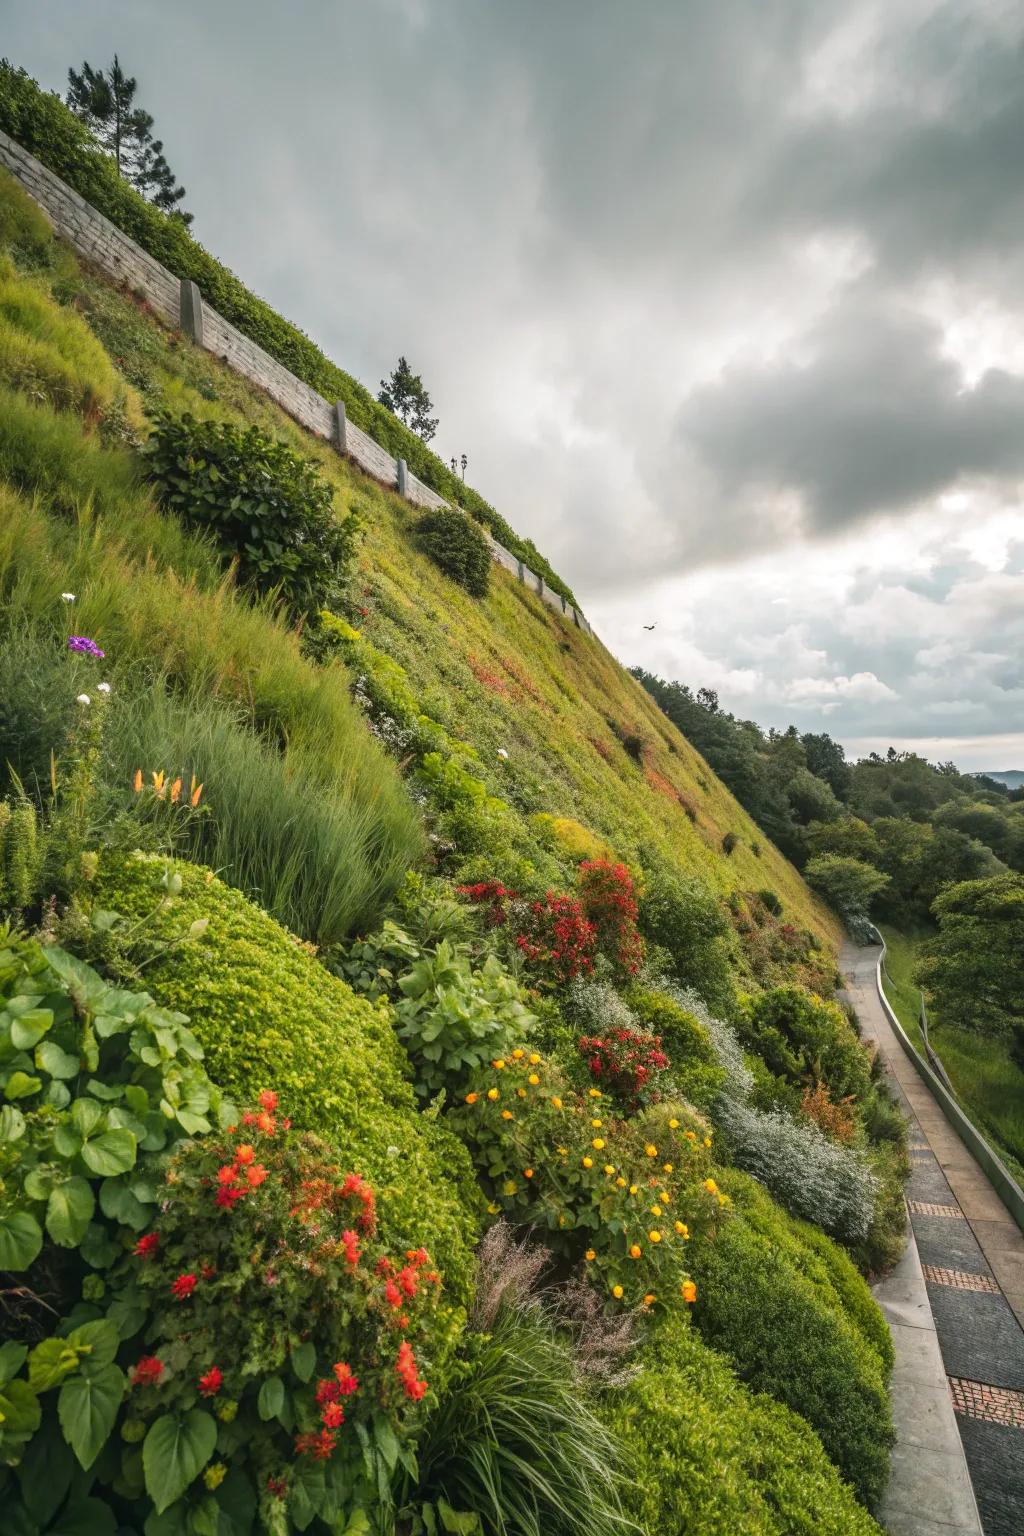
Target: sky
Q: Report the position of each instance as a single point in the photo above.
(722, 299)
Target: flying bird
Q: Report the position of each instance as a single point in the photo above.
(649, 626)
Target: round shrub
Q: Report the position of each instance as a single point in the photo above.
(692, 1056)
(708, 1455)
(266, 1012)
(683, 918)
(456, 544)
(803, 1038)
(767, 1300)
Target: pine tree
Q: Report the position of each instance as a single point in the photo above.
(105, 101)
(404, 394)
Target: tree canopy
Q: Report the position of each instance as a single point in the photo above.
(105, 101)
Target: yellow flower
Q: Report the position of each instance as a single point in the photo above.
(649, 1299)
(562, 1151)
(557, 1103)
(492, 1093)
(518, 1053)
(654, 1235)
(534, 1058)
(635, 1251)
(509, 1187)
(590, 1255)
(595, 1093)
(609, 1169)
(617, 1292)
(633, 1188)
(655, 1210)
(214, 1475)
(597, 1124)
(498, 1064)
(521, 1093)
(707, 1141)
(493, 1209)
(620, 1181)
(651, 1149)
(682, 1229)
(533, 1079)
(689, 1290)
(711, 1186)
(588, 1162)
(664, 1198)
(673, 1125)
(666, 1167)
(597, 1143)
(471, 1098)
(507, 1114)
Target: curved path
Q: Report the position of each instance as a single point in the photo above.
(955, 1305)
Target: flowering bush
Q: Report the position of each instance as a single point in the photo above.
(629, 1063)
(277, 1343)
(555, 938)
(837, 1120)
(608, 898)
(625, 1196)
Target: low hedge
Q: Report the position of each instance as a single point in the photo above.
(40, 122)
(709, 1456)
(797, 1324)
(268, 1015)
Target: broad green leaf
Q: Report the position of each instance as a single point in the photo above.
(86, 986)
(118, 1202)
(466, 1523)
(105, 1091)
(303, 1360)
(67, 1141)
(173, 1522)
(45, 1471)
(29, 1028)
(98, 1248)
(109, 1154)
(175, 1451)
(20, 1409)
(20, 1086)
(12, 1123)
(38, 1183)
(57, 1062)
(69, 1211)
(386, 1441)
(50, 1362)
(97, 1344)
(21, 1238)
(85, 1517)
(12, 1358)
(87, 1408)
(86, 1116)
(271, 1398)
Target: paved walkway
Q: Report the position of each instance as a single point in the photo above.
(970, 1254)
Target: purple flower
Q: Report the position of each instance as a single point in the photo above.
(87, 647)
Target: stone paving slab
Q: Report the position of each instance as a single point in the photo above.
(997, 1465)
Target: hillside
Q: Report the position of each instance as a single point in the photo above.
(353, 925)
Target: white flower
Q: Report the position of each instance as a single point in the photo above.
(68, 597)
(102, 687)
(503, 754)
(83, 698)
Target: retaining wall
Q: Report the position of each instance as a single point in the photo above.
(179, 303)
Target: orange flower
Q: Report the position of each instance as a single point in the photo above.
(176, 791)
(471, 1098)
(689, 1291)
(158, 782)
(137, 781)
(635, 1251)
(256, 1174)
(197, 790)
(244, 1154)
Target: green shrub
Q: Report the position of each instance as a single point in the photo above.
(682, 918)
(805, 1039)
(767, 1301)
(771, 900)
(25, 231)
(270, 509)
(43, 125)
(692, 1056)
(457, 546)
(709, 1456)
(267, 1012)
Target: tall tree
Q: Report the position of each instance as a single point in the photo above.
(972, 967)
(105, 101)
(405, 395)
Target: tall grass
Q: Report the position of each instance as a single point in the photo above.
(321, 864)
(49, 352)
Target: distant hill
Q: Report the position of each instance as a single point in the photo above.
(1013, 778)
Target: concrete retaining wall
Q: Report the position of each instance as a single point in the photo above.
(179, 303)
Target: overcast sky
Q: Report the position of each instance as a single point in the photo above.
(723, 299)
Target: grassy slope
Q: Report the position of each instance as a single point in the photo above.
(989, 1085)
(504, 672)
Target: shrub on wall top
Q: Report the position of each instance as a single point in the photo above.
(268, 507)
(458, 547)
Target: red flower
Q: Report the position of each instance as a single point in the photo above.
(318, 1446)
(392, 1295)
(277, 1486)
(255, 1175)
(265, 1122)
(327, 1392)
(407, 1280)
(347, 1383)
(227, 1175)
(229, 1197)
(146, 1246)
(333, 1415)
(417, 1256)
(211, 1383)
(147, 1372)
(268, 1100)
(351, 1242)
(245, 1154)
(183, 1287)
